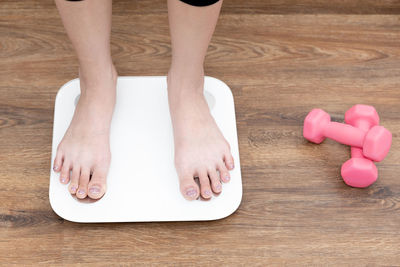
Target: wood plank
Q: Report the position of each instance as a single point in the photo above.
(295, 208)
(146, 7)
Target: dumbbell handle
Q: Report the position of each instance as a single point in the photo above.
(357, 152)
(364, 125)
(345, 134)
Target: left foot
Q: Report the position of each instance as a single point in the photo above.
(200, 148)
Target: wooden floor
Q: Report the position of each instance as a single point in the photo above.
(281, 59)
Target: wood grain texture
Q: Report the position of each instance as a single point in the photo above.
(295, 210)
(233, 6)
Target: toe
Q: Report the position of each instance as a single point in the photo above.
(205, 185)
(215, 182)
(229, 161)
(83, 183)
(73, 186)
(97, 184)
(58, 161)
(189, 188)
(64, 174)
(224, 173)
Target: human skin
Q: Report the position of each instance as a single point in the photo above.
(200, 148)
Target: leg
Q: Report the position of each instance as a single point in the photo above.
(85, 148)
(200, 148)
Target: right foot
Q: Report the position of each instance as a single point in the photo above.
(85, 147)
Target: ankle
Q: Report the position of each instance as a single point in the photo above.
(185, 81)
(100, 85)
(96, 75)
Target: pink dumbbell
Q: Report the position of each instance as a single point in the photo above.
(360, 171)
(375, 143)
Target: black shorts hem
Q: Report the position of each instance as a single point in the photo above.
(200, 2)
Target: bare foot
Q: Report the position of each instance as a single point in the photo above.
(200, 148)
(85, 147)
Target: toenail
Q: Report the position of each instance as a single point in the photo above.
(207, 193)
(63, 180)
(81, 192)
(231, 166)
(73, 188)
(94, 190)
(55, 167)
(218, 187)
(227, 178)
(191, 192)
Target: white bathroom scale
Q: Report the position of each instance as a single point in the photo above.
(142, 184)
